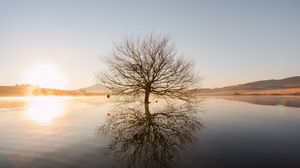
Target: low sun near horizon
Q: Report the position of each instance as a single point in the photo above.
(46, 75)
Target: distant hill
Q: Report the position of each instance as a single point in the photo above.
(292, 82)
(280, 86)
(287, 86)
(96, 88)
(274, 86)
(31, 90)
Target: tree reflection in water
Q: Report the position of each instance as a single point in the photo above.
(140, 141)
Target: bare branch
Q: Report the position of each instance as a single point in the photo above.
(149, 65)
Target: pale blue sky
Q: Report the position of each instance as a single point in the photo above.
(231, 41)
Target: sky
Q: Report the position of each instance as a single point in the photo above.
(231, 42)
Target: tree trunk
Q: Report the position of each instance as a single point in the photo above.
(146, 103)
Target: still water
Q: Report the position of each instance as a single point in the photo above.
(254, 131)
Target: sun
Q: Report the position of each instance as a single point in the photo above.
(46, 76)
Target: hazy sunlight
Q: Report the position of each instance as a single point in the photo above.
(47, 76)
(43, 109)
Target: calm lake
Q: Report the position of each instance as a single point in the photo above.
(238, 131)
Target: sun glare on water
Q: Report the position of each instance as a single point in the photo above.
(44, 109)
(46, 76)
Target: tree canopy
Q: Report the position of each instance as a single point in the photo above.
(148, 65)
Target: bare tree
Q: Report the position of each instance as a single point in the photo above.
(149, 65)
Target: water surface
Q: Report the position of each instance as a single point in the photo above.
(62, 132)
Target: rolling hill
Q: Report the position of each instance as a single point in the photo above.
(31, 90)
(274, 86)
(287, 86)
(96, 88)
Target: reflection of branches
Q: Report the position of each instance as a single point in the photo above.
(150, 142)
